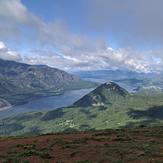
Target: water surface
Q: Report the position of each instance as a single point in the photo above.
(46, 103)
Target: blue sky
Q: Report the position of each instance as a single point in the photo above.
(52, 10)
(73, 12)
(83, 34)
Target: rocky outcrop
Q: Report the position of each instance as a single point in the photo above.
(4, 104)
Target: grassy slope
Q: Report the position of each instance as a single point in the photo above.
(135, 110)
(111, 146)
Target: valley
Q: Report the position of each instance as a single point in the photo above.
(109, 106)
(81, 81)
(45, 103)
(20, 83)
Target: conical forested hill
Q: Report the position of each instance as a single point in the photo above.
(108, 106)
(106, 93)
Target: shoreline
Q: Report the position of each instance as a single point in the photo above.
(25, 101)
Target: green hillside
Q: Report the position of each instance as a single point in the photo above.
(108, 106)
(107, 93)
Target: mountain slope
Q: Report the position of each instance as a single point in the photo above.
(142, 145)
(19, 81)
(107, 93)
(119, 109)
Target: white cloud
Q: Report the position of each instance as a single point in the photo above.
(76, 51)
(2, 45)
(133, 22)
(101, 59)
(7, 54)
(13, 10)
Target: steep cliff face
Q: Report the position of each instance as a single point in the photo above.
(19, 81)
(32, 76)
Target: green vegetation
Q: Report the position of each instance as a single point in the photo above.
(140, 83)
(84, 161)
(112, 146)
(23, 151)
(108, 106)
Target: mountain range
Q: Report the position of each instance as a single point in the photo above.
(109, 106)
(20, 82)
(114, 74)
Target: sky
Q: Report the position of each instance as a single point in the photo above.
(83, 35)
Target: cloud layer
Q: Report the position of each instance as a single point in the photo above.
(70, 51)
(132, 22)
(8, 54)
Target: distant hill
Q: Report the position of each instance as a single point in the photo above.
(130, 80)
(113, 74)
(107, 107)
(106, 93)
(19, 81)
